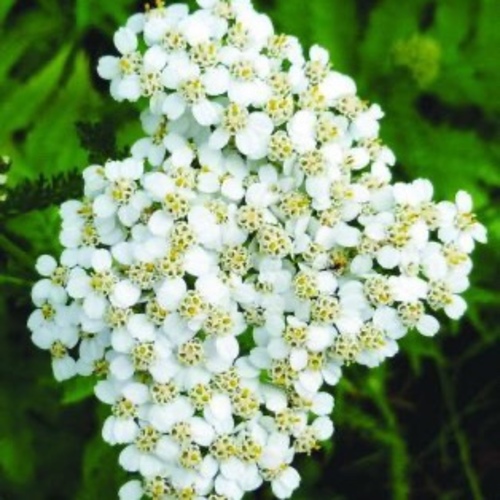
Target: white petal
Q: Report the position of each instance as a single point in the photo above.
(174, 106)
(201, 432)
(464, 201)
(388, 257)
(220, 406)
(216, 80)
(323, 428)
(95, 306)
(323, 404)
(219, 139)
(233, 189)
(198, 262)
(125, 294)
(311, 380)
(108, 67)
(155, 59)
(160, 223)
(428, 325)
(140, 328)
(457, 307)
(121, 368)
(319, 337)
(64, 368)
(125, 40)
(207, 112)
(46, 265)
(129, 88)
(131, 491)
(227, 347)
(104, 206)
(298, 359)
(101, 260)
(171, 293)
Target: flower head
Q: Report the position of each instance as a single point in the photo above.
(252, 245)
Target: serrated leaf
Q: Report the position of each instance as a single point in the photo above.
(453, 159)
(24, 100)
(53, 144)
(29, 41)
(378, 42)
(40, 229)
(24, 106)
(466, 33)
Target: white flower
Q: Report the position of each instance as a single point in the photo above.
(123, 71)
(286, 482)
(143, 454)
(245, 79)
(63, 365)
(51, 288)
(459, 225)
(193, 90)
(93, 290)
(267, 190)
(121, 196)
(310, 380)
(251, 130)
(121, 427)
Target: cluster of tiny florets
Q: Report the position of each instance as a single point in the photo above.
(217, 280)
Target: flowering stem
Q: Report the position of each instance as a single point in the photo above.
(459, 435)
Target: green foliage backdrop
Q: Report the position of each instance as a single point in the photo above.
(422, 426)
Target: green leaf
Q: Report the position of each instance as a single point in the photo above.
(390, 21)
(78, 389)
(40, 229)
(467, 34)
(53, 145)
(16, 457)
(293, 18)
(419, 349)
(333, 25)
(28, 43)
(453, 159)
(101, 476)
(23, 106)
(453, 22)
(93, 12)
(5, 8)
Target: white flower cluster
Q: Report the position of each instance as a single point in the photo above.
(218, 279)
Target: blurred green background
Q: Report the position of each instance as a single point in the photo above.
(424, 425)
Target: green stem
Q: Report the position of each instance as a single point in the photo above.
(459, 435)
(12, 280)
(397, 445)
(17, 252)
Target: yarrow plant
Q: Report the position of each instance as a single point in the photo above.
(218, 280)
